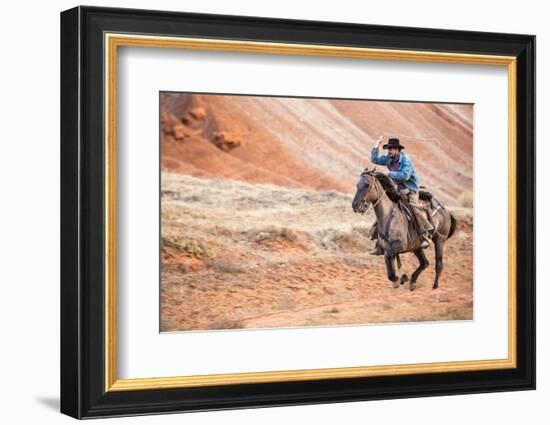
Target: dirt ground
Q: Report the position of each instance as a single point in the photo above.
(241, 255)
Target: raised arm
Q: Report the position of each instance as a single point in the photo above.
(374, 158)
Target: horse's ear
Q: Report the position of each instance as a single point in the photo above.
(368, 172)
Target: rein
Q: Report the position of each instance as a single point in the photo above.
(366, 194)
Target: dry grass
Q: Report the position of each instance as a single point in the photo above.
(224, 267)
(466, 199)
(194, 247)
(254, 256)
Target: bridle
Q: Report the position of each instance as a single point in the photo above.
(370, 204)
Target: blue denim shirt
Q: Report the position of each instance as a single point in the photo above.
(405, 174)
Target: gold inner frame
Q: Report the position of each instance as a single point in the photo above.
(113, 41)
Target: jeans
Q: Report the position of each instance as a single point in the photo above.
(419, 213)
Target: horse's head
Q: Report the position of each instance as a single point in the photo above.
(364, 194)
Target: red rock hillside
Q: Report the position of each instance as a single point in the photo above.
(321, 144)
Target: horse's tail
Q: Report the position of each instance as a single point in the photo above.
(453, 226)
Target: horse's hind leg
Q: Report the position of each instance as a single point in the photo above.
(391, 269)
(423, 264)
(438, 245)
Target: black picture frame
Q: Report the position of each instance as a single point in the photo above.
(83, 392)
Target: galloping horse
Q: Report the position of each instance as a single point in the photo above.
(396, 231)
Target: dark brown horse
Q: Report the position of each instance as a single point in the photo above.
(396, 231)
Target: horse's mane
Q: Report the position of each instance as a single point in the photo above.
(387, 183)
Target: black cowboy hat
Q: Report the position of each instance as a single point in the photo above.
(393, 142)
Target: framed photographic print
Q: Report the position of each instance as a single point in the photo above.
(261, 212)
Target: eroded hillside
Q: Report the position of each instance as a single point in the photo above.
(319, 144)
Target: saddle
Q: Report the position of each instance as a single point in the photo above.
(426, 198)
(426, 203)
(424, 195)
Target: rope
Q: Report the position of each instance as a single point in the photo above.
(429, 139)
(403, 136)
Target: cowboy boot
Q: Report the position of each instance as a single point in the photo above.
(425, 240)
(373, 231)
(425, 227)
(376, 250)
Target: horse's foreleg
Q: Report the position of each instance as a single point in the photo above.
(438, 245)
(390, 267)
(423, 263)
(404, 278)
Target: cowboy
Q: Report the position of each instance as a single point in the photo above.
(401, 170)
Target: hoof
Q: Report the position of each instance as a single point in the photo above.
(412, 286)
(395, 284)
(435, 286)
(404, 279)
